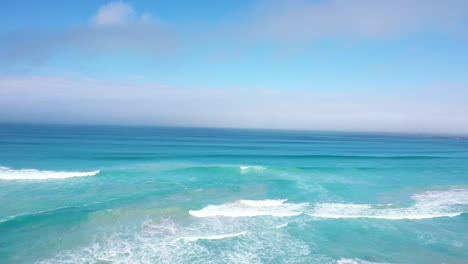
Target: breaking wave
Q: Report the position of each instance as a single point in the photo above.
(430, 204)
(250, 240)
(244, 208)
(31, 174)
(427, 205)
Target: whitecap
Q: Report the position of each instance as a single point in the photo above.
(244, 208)
(251, 168)
(32, 174)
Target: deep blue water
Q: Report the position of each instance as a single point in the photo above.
(115, 194)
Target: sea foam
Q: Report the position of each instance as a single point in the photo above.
(244, 208)
(32, 174)
(429, 204)
(165, 241)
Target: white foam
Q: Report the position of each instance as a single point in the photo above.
(162, 242)
(244, 208)
(213, 237)
(449, 197)
(31, 174)
(429, 204)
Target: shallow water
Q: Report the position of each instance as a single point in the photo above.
(102, 194)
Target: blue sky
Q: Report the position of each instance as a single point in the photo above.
(388, 65)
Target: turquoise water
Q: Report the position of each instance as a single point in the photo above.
(84, 194)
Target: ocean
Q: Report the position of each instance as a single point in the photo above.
(117, 194)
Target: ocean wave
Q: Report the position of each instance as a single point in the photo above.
(213, 237)
(245, 208)
(12, 217)
(32, 174)
(430, 204)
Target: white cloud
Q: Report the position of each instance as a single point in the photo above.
(116, 26)
(297, 20)
(114, 14)
(120, 13)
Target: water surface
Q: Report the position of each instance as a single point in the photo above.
(103, 194)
